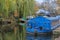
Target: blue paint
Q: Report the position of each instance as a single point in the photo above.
(41, 24)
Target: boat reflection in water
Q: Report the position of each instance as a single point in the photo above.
(41, 37)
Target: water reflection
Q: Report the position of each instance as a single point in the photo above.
(29, 37)
(42, 37)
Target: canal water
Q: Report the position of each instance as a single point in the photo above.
(55, 36)
(12, 36)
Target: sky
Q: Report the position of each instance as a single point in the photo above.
(39, 1)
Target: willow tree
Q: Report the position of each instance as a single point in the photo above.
(7, 6)
(26, 7)
(4, 8)
(1, 6)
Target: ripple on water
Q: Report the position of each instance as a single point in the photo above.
(55, 36)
